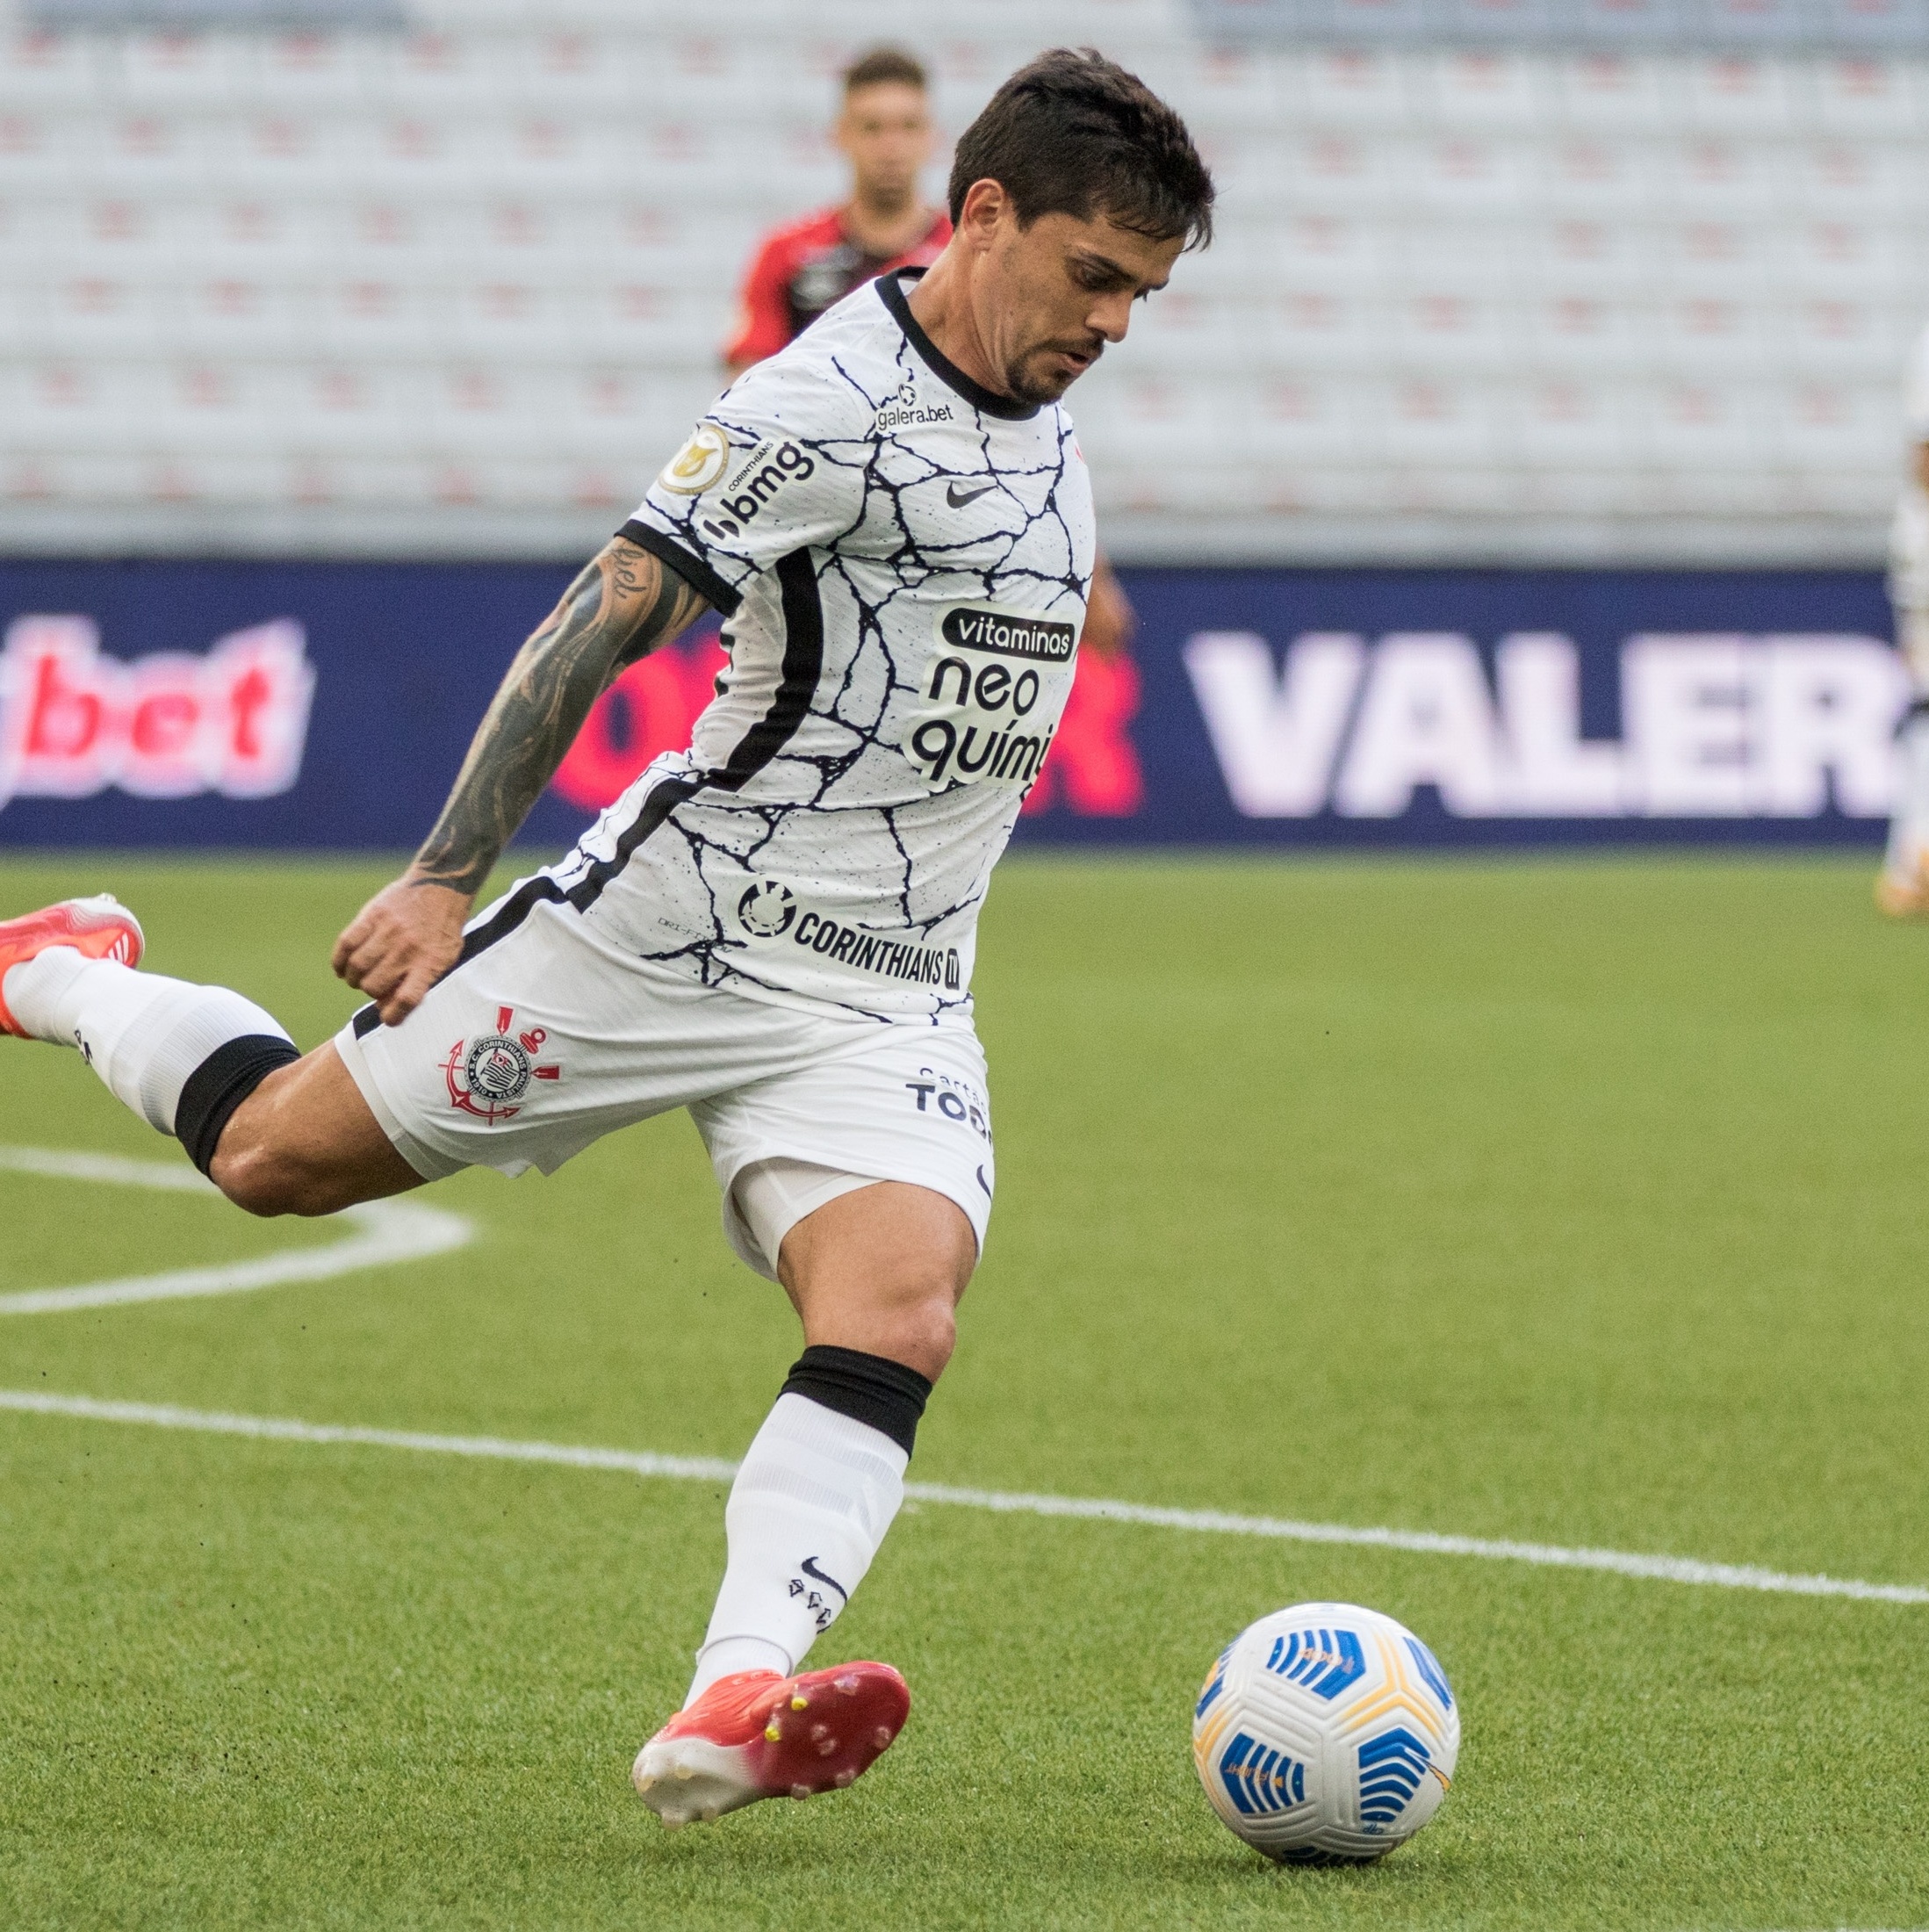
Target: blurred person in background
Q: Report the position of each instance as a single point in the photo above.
(803, 267)
(885, 131)
(1902, 886)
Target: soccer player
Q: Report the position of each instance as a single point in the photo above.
(1902, 886)
(772, 928)
(800, 270)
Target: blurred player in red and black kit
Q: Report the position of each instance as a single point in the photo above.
(802, 269)
(799, 270)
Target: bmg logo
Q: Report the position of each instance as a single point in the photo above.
(770, 467)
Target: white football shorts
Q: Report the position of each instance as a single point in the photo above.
(544, 1039)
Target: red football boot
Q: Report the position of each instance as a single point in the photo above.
(754, 1734)
(100, 927)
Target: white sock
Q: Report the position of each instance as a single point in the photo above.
(145, 1034)
(809, 1507)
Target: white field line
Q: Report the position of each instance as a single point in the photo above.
(402, 1232)
(384, 1231)
(211, 1422)
(114, 1170)
(1671, 1569)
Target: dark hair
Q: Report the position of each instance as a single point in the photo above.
(883, 64)
(1073, 134)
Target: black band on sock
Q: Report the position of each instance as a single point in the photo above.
(1919, 707)
(868, 1388)
(219, 1085)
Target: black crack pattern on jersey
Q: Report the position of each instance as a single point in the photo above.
(838, 808)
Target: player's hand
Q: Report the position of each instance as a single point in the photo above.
(400, 943)
(1110, 619)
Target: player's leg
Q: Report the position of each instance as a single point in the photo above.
(278, 1132)
(864, 1183)
(882, 1270)
(1902, 886)
(305, 1141)
(537, 1043)
(875, 1275)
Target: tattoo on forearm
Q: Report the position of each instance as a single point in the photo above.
(623, 605)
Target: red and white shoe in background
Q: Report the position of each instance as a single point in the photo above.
(754, 1734)
(100, 927)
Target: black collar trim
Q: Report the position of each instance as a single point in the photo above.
(888, 286)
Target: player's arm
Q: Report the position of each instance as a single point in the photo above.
(622, 605)
(1110, 619)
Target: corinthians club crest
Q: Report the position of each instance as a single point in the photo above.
(489, 1075)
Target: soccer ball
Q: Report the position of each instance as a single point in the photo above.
(1326, 1735)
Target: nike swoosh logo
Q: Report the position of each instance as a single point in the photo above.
(958, 501)
(809, 1568)
(984, 1184)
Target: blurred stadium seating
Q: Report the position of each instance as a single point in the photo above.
(455, 289)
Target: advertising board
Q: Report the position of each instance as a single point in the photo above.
(327, 707)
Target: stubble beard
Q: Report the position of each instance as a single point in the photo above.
(1028, 383)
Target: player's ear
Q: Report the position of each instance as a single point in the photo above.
(985, 206)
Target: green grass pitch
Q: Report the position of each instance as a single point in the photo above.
(1574, 1201)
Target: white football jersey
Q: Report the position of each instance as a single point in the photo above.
(902, 559)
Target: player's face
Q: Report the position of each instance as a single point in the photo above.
(886, 131)
(1059, 291)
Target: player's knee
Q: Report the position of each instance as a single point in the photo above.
(265, 1181)
(304, 1142)
(913, 1323)
(931, 1334)
(927, 1293)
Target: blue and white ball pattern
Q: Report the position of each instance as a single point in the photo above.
(1326, 1735)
